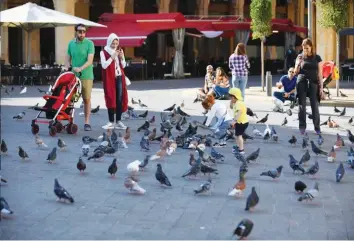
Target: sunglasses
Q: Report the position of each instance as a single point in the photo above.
(81, 31)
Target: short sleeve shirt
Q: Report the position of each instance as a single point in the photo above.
(79, 51)
(240, 107)
(288, 84)
(309, 67)
(209, 79)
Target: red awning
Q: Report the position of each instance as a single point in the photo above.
(135, 18)
(130, 34)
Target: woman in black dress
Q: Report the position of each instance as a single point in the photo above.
(309, 84)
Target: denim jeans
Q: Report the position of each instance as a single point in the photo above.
(220, 91)
(222, 128)
(240, 82)
(280, 96)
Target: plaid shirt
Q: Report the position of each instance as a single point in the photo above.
(239, 65)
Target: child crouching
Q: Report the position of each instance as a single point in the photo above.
(240, 121)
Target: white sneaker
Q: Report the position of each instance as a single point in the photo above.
(109, 125)
(120, 125)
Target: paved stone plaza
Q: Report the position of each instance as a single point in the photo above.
(104, 209)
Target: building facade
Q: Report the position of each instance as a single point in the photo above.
(49, 45)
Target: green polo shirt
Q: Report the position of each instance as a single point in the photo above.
(79, 51)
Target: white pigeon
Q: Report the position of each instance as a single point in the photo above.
(5, 207)
(40, 142)
(133, 186)
(49, 90)
(85, 149)
(267, 130)
(235, 192)
(256, 132)
(104, 143)
(201, 147)
(81, 114)
(133, 167)
(121, 141)
(24, 90)
(310, 194)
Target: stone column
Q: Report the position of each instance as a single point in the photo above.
(325, 41)
(118, 6)
(203, 10)
(164, 7)
(291, 11)
(4, 47)
(238, 7)
(63, 35)
(35, 46)
(274, 8)
(82, 9)
(350, 41)
(301, 13)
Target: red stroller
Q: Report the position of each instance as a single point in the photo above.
(60, 105)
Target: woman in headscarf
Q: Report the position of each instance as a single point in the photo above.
(114, 85)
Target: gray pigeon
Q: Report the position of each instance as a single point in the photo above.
(3, 147)
(317, 150)
(97, 155)
(253, 156)
(204, 188)
(81, 165)
(310, 194)
(243, 229)
(144, 143)
(113, 168)
(61, 193)
(5, 207)
(340, 172)
(294, 165)
(252, 200)
(114, 136)
(273, 173)
(22, 153)
(313, 170)
(61, 144)
(194, 170)
(146, 161)
(305, 158)
(161, 176)
(52, 156)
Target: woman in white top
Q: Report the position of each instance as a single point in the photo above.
(219, 110)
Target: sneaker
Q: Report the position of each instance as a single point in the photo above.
(87, 127)
(219, 144)
(235, 149)
(242, 152)
(302, 131)
(120, 125)
(109, 125)
(318, 132)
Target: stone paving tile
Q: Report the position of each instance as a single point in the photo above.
(104, 209)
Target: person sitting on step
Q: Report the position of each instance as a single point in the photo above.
(288, 83)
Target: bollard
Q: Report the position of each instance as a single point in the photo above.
(269, 83)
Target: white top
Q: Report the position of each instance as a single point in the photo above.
(105, 63)
(219, 110)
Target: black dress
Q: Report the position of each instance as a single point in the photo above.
(308, 86)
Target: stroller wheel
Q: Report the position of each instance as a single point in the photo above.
(59, 126)
(72, 128)
(52, 131)
(35, 129)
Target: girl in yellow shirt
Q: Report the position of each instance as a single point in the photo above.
(240, 116)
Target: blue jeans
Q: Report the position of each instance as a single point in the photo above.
(220, 91)
(280, 96)
(241, 83)
(222, 128)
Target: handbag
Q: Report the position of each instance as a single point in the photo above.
(127, 81)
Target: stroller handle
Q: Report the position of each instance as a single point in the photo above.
(71, 70)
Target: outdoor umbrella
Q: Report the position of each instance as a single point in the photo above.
(30, 16)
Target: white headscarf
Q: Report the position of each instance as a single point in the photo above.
(110, 39)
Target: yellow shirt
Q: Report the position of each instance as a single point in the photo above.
(240, 106)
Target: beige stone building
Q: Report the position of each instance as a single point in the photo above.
(50, 45)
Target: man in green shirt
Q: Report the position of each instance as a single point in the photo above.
(80, 56)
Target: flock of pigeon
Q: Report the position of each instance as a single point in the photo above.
(201, 160)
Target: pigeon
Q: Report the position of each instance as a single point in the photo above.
(41, 91)
(340, 172)
(182, 104)
(320, 140)
(61, 193)
(326, 122)
(144, 143)
(170, 108)
(249, 112)
(145, 126)
(126, 137)
(246, 137)
(161, 176)
(3, 180)
(253, 156)
(285, 121)
(339, 142)
(152, 120)
(39, 142)
(208, 169)
(3, 147)
(52, 156)
(294, 165)
(310, 194)
(81, 165)
(343, 112)
(317, 150)
(263, 120)
(181, 112)
(239, 187)
(273, 173)
(305, 141)
(144, 115)
(61, 144)
(132, 184)
(194, 169)
(111, 150)
(134, 102)
(166, 125)
(342, 94)
(23, 90)
(331, 155)
(243, 229)
(305, 158)
(133, 167)
(113, 168)
(88, 140)
(313, 169)
(5, 207)
(114, 136)
(256, 132)
(252, 200)
(20, 115)
(95, 110)
(350, 120)
(293, 140)
(267, 131)
(142, 104)
(146, 161)
(204, 188)
(22, 153)
(243, 168)
(350, 136)
(336, 110)
(205, 157)
(85, 149)
(300, 186)
(289, 112)
(274, 135)
(217, 155)
(98, 155)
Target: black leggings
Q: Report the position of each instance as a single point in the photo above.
(307, 88)
(119, 106)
